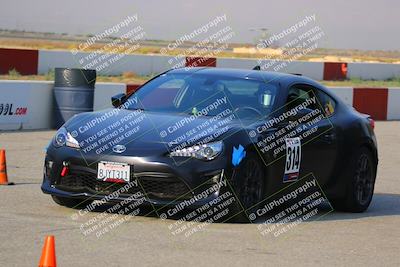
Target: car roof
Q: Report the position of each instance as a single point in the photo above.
(259, 75)
(234, 73)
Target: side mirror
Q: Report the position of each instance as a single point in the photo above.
(117, 100)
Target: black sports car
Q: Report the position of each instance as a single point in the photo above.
(189, 135)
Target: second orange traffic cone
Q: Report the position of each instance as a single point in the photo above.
(3, 169)
(48, 258)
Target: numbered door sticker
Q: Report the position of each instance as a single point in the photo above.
(293, 159)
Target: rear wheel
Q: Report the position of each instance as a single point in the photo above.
(71, 202)
(360, 183)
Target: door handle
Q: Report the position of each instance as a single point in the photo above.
(329, 137)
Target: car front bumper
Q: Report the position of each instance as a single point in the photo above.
(151, 172)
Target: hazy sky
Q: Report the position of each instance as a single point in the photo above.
(360, 24)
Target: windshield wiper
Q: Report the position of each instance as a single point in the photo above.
(141, 109)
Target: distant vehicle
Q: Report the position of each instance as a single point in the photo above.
(247, 110)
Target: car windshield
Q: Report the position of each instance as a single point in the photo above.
(208, 95)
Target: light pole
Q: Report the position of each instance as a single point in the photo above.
(264, 34)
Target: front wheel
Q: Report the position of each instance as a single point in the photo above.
(360, 180)
(249, 182)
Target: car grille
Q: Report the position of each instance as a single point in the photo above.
(153, 187)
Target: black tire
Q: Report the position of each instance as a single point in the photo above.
(360, 183)
(249, 186)
(71, 202)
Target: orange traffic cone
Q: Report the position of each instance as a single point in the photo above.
(48, 258)
(3, 169)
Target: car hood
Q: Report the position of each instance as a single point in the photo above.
(143, 132)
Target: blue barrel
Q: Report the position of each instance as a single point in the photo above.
(73, 93)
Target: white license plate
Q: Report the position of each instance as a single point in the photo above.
(113, 172)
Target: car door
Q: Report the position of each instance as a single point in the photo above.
(315, 129)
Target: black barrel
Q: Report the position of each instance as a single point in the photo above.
(73, 93)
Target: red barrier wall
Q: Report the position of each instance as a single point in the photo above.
(23, 60)
(335, 71)
(201, 62)
(372, 101)
(132, 87)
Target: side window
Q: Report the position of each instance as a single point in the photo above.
(301, 95)
(327, 103)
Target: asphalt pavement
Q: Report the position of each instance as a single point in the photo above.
(336, 239)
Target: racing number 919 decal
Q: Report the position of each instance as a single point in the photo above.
(293, 159)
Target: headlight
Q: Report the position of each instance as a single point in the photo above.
(205, 152)
(64, 138)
